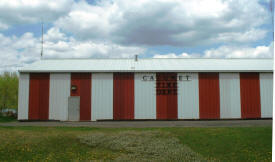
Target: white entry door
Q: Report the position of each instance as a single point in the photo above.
(73, 108)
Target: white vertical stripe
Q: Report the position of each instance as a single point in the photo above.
(145, 96)
(102, 96)
(188, 97)
(59, 94)
(266, 86)
(23, 96)
(230, 101)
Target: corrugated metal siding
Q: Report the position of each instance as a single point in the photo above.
(102, 96)
(33, 99)
(23, 96)
(59, 94)
(39, 96)
(123, 96)
(151, 65)
(266, 86)
(230, 102)
(209, 95)
(145, 96)
(167, 99)
(188, 97)
(250, 95)
(83, 81)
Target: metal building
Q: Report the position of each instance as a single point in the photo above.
(161, 89)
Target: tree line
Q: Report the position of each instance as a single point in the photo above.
(8, 90)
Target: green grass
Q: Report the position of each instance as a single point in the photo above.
(229, 144)
(6, 119)
(135, 144)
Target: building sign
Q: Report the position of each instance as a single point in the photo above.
(148, 78)
(182, 77)
(167, 84)
(185, 77)
(167, 88)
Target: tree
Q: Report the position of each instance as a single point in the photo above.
(8, 90)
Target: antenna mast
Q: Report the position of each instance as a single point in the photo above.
(42, 40)
(272, 12)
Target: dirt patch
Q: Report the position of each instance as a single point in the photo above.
(142, 146)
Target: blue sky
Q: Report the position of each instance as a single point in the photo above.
(123, 28)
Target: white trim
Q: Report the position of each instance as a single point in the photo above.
(23, 96)
(230, 97)
(188, 97)
(145, 97)
(102, 96)
(266, 89)
(60, 84)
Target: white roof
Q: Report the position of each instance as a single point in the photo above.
(151, 65)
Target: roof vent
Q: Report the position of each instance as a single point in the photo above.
(136, 58)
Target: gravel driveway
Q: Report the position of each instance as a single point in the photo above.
(147, 124)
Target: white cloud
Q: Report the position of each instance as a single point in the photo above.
(166, 22)
(31, 11)
(88, 49)
(247, 36)
(227, 52)
(123, 28)
(240, 52)
(173, 55)
(3, 26)
(18, 51)
(54, 34)
(58, 45)
(86, 20)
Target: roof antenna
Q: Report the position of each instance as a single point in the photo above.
(42, 40)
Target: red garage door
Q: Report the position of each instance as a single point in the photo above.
(250, 95)
(209, 95)
(123, 98)
(83, 84)
(167, 100)
(39, 96)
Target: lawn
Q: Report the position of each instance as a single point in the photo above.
(136, 144)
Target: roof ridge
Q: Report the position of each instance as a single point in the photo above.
(156, 58)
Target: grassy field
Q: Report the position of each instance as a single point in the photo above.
(146, 144)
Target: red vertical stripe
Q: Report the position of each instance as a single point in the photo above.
(209, 95)
(44, 94)
(83, 83)
(162, 107)
(39, 96)
(123, 98)
(167, 100)
(172, 107)
(33, 98)
(250, 95)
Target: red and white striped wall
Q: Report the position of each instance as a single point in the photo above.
(134, 96)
